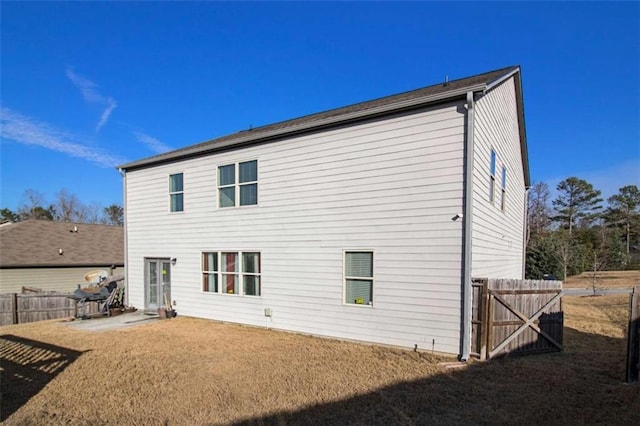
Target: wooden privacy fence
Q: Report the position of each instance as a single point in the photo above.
(633, 337)
(17, 308)
(516, 317)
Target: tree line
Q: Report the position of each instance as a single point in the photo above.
(576, 231)
(65, 208)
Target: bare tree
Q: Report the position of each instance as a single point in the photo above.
(538, 207)
(34, 206)
(92, 213)
(113, 215)
(562, 250)
(68, 207)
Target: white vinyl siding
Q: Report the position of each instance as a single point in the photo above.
(498, 228)
(389, 185)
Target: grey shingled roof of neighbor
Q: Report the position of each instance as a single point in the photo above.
(35, 243)
(437, 93)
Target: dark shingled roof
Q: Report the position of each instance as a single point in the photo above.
(35, 243)
(441, 92)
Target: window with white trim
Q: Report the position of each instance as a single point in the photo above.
(358, 277)
(238, 184)
(230, 272)
(503, 199)
(492, 178)
(176, 192)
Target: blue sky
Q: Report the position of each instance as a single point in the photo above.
(88, 86)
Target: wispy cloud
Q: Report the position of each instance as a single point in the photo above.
(27, 131)
(152, 143)
(90, 93)
(106, 113)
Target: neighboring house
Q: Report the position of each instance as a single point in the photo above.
(366, 222)
(56, 255)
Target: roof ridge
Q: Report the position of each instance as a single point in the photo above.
(313, 121)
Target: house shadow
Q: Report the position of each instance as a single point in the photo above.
(534, 389)
(26, 366)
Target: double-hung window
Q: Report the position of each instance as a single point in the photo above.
(238, 184)
(358, 277)
(503, 199)
(492, 178)
(229, 272)
(176, 192)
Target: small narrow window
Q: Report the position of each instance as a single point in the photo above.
(210, 272)
(503, 199)
(230, 275)
(227, 186)
(248, 183)
(492, 178)
(176, 193)
(358, 277)
(251, 273)
(238, 184)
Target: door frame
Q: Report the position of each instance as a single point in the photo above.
(161, 284)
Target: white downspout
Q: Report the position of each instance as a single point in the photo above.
(126, 244)
(468, 222)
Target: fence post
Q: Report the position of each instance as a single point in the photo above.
(633, 337)
(490, 308)
(14, 308)
(485, 321)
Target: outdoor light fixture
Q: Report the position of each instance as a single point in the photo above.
(60, 252)
(173, 260)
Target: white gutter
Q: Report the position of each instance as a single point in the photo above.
(468, 222)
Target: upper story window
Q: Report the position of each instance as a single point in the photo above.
(358, 277)
(492, 178)
(503, 199)
(176, 192)
(238, 184)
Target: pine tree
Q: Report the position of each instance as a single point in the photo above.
(577, 202)
(624, 211)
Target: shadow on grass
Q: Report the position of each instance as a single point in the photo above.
(26, 366)
(582, 385)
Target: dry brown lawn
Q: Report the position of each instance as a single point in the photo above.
(604, 279)
(187, 371)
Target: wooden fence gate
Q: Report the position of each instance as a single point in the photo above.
(516, 317)
(633, 337)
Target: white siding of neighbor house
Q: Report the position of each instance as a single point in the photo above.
(391, 186)
(497, 242)
(49, 279)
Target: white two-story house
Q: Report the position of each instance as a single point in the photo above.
(366, 222)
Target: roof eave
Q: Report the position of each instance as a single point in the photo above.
(311, 126)
(522, 129)
(516, 74)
